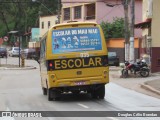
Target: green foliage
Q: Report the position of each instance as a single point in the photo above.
(20, 15)
(114, 29)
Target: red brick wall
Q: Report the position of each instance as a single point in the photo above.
(155, 60)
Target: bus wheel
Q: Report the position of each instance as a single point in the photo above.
(94, 94)
(101, 92)
(56, 95)
(50, 94)
(44, 90)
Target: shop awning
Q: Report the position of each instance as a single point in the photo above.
(144, 24)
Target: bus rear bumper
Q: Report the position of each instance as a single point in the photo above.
(78, 82)
(84, 88)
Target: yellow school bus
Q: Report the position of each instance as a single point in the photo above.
(74, 58)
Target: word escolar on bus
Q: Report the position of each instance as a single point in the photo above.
(77, 63)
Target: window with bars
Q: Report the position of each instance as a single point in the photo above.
(42, 25)
(90, 11)
(49, 24)
(77, 12)
(66, 13)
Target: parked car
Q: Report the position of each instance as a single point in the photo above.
(28, 53)
(113, 59)
(14, 51)
(3, 52)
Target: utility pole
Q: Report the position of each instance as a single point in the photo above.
(126, 28)
(132, 31)
(59, 11)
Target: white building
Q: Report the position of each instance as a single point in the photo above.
(45, 22)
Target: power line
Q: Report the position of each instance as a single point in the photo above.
(15, 2)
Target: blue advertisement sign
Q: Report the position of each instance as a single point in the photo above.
(76, 40)
(35, 34)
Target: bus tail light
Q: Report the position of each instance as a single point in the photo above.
(50, 65)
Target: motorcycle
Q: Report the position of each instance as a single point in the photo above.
(140, 67)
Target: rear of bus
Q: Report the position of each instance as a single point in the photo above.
(77, 60)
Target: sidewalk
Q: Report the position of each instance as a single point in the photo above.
(149, 85)
(153, 86)
(12, 63)
(18, 68)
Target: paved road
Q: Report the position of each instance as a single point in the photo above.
(20, 90)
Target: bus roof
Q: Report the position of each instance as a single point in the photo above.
(74, 23)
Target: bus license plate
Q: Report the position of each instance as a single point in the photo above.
(80, 83)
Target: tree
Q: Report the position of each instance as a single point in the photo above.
(23, 14)
(114, 29)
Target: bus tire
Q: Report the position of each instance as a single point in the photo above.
(101, 92)
(98, 92)
(44, 90)
(56, 95)
(94, 95)
(50, 94)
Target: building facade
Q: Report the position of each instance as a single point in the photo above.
(117, 45)
(97, 11)
(34, 42)
(45, 22)
(150, 42)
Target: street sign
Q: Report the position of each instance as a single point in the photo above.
(5, 38)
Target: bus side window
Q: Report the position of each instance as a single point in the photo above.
(43, 49)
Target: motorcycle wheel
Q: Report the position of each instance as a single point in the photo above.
(144, 73)
(124, 73)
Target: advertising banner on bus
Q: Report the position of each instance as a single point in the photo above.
(76, 40)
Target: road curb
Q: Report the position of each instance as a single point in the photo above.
(19, 68)
(115, 69)
(147, 87)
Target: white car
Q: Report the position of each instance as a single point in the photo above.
(29, 53)
(14, 51)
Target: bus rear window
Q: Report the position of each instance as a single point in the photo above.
(76, 40)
